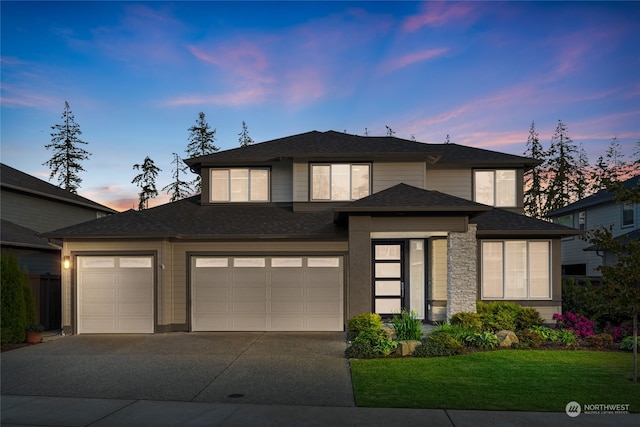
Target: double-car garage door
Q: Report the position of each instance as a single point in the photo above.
(292, 293)
(288, 293)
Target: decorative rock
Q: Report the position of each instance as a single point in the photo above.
(507, 338)
(406, 348)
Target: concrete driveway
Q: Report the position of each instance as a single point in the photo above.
(225, 367)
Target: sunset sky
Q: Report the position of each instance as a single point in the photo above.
(136, 75)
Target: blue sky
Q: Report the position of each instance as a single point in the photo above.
(136, 75)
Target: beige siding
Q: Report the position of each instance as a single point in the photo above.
(418, 224)
(386, 175)
(300, 182)
(456, 182)
(282, 181)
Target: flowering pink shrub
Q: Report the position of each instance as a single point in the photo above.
(619, 332)
(581, 325)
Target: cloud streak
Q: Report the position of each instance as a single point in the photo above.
(438, 14)
(412, 58)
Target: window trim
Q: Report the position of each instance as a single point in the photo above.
(495, 187)
(249, 174)
(330, 165)
(633, 214)
(528, 297)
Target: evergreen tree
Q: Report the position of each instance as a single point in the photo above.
(390, 132)
(244, 139)
(67, 154)
(609, 168)
(201, 143)
(178, 189)
(447, 140)
(563, 169)
(535, 178)
(146, 180)
(581, 174)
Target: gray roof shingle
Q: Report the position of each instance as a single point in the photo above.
(500, 221)
(15, 235)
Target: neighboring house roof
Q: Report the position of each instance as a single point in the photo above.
(14, 179)
(15, 235)
(188, 219)
(500, 221)
(332, 145)
(407, 198)
(599, 198)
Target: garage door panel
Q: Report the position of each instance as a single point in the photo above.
(204, 307)
(115, 294)
(269, 294)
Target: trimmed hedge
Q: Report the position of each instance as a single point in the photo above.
(17, 304)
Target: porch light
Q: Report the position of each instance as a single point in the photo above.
(66, 262)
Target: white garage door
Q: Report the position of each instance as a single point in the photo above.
(115, 294)
(267, 293)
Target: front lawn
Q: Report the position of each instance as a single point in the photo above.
(518, 380)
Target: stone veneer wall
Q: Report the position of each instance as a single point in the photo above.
(462, 276)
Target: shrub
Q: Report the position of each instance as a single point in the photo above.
(407, 326)
(17, 305)
(547, 334)
(528, 317)
(577, 323)
(369, 344)
(362, 322)
(467, 319)
(627, 343)
(460, 333)
(498, 315)
(483, 340)
(567, 337)
(440, 344)
(599, 341)
(618, 332)
(528, 339)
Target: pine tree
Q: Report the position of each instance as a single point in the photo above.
(609, 168)
(146, 180)
(201, 143)
(390, 132)
(244, 139)
(178, 189)
(67, 155)
(581, 174)
(535, 178)
(562, 167)
(447, 140)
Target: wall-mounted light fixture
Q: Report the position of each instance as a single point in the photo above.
(66, 262)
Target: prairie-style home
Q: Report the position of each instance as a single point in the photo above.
(302, 233)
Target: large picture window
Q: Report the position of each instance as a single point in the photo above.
(516, 269)
(495, 187)
(340, 181)
(239, 185)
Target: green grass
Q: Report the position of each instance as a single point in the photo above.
(518, 380)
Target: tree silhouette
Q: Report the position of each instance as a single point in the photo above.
(146, 180)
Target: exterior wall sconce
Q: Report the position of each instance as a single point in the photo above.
(66, 262)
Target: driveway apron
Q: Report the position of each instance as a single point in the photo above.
(220, 367)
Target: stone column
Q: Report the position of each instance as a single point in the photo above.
(462, 275)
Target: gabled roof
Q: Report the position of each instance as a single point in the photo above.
(332, 145)
(599, 198)
(407, 198)
(501, 222)
(15, 235)
(14, 179)
(188, 219)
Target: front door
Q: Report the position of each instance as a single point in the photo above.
(388, 277)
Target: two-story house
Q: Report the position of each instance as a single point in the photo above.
(30, 206)
(597, 210)
(304, 232)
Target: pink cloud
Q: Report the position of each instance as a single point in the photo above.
(411, 58)
(251, 96)
(437, 14)
(17, 97)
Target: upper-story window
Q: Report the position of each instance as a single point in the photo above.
(340, 181)
(627, 214)
(495, 187)
(240, 185)
(582, 220)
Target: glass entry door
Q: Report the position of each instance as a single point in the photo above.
(388, 277)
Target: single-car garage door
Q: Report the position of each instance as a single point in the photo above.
(115, 294)
(302, 293)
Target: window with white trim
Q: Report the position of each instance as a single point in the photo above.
(516, 269)
(495, 187)
(628, 219)
(239, 185)
(340, 181)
